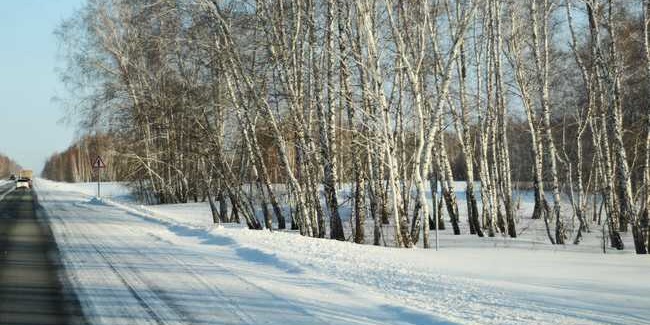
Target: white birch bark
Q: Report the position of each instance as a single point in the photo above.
(598, 129)
(402, 235)
(523, 82)
(235, 69)
(541, 55)
(628, 212)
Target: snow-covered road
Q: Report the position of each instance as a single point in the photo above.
(167, 265)
(130, 270)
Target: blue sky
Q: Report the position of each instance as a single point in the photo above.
(30, 128)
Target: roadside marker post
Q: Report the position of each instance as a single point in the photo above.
(98, 165)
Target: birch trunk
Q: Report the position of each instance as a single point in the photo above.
(326, 119)
(541, 55)
(402, 235)
(234, 68)
(628, 213)
(580, 206)
(598, 129)
(346, 104)
(502, 153)
(541, 209)
(465, 139)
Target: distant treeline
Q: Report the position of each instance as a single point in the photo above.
(75, 163)
(8, 166)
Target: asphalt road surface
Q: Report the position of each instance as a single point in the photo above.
(31, 290)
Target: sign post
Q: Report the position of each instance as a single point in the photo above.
(98, 164)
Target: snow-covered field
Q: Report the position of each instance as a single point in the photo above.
(134, 264)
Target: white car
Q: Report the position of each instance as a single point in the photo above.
(23, 183)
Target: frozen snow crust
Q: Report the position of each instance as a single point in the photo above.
(134, 264)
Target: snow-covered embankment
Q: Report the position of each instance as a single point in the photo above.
(169, 263)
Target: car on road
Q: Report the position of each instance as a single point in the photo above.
(12, 177)
(23, 183)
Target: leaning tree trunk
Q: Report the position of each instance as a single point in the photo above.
(216, 216)
(447, 183)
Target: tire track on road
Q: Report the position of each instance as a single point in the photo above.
(143, 301)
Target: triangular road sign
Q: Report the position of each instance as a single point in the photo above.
(99, 163)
